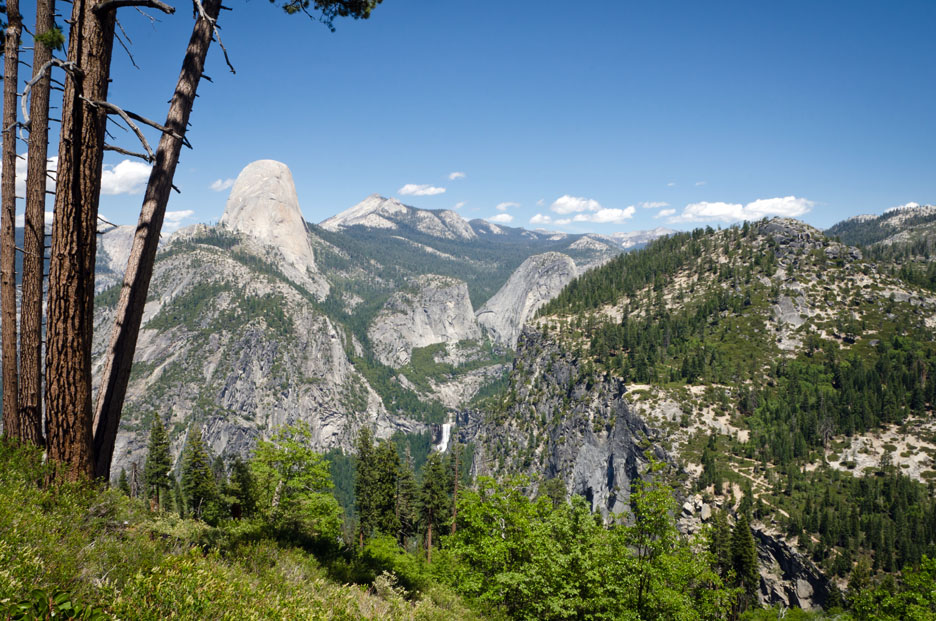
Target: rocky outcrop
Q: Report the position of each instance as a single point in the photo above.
(538, 279)
(239, 352)
(380, 212)
(433, 309)
(787, 577)
(263, 207)
(563, 421)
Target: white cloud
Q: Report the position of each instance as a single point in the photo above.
(20, 220)
(127, 177)
(220, 185)
(671, 184)
(787, 206)
(541, 202)
(457, 175)
(699, 184)
(910, 205)
(665, 213)
(540, 219)
(173, 219)
(566, 204)
(460, 204)
(21, 165)
(607, 216)
(654, 204)
(564, 221)
(506, 206)
(501, 218)
(420, 190)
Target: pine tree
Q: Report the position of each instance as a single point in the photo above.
(744, 560)
(198, 482)
(433, 498)
(721, 543)
(123, 484)
(364, 481)
(157, 476)
(385, 487)
(243, 488)
(407, 498)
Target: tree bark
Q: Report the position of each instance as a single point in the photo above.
(71, 264)
(145, 243)
(8, 225)
(30, 404)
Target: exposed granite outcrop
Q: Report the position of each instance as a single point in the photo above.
(434, 309)
(538, 279)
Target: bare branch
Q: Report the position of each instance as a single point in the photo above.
(67, 65)
(111, 5)
(136, 130)
(215, 30)
(110, 147)
(124, 46)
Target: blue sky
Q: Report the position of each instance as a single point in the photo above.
(591, 114)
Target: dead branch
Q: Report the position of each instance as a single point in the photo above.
(116, 149)
(215, 30)
(68, 65)
(111, 5)
(126, 117)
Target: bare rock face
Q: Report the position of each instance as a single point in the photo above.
(435, 309)
(379, 212)
(264, 207)
(538, 280)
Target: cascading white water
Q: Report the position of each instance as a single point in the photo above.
(443, 443)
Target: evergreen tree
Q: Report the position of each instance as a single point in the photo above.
(198, 483)
(385, 488)
(744, 560)
(364, 481)
(407, 497)
(433, 498)
(721, 544)
(123, 484)
(157, 475)
(243, 489)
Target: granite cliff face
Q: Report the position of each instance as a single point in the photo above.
(433, 309)
(538, 280)
(563, 423)
(263, 206)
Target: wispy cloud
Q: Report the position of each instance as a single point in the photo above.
(665, 213)
(501, 218)
(173, 219)
(564, 221)
(671, 184)
(127, 177)
(699, 184)
(540, 219)
(788, 206)
(653, 204)
(413, 189)
(457, 175)
(541, 202)
(460, 204)
(220, 185)
(506, 206)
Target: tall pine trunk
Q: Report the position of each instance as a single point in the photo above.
(145, 243)
(30, 404)
(71, 263)
(8, 224)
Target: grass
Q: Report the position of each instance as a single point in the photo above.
(94, 547)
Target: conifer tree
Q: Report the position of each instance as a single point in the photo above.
(364, 480)
(407, 498)
(744, 560)
(157, 478)
(198, 484)
(243, 488)
(433, 498)
(384, 491)
(123, 484)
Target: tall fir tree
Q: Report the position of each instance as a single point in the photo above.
(157, 475)
(364, 481)
(384, 491)
(744, 560)
(434, 502)
(198, 483)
